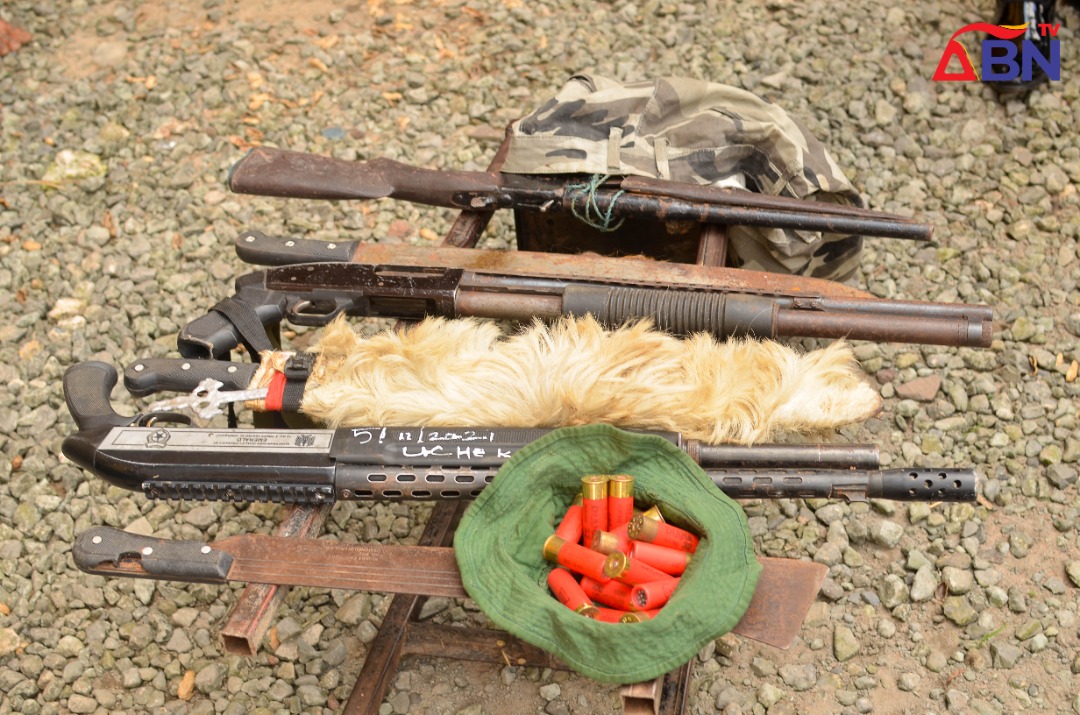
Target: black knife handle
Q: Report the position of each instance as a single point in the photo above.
(152, 375)
(102, 550)
(260, 249)
(87, 387)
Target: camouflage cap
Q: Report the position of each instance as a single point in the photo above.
(698, 132)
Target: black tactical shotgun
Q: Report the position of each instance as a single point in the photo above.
(411, 282)
(316, 466)
(267, 171)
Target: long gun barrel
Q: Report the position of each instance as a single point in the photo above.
(322, 466)
(275, 172)
(411, 282)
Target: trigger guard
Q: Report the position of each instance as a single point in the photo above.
(295, 313)
(152, 418)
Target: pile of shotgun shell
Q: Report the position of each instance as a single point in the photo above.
(614, 564)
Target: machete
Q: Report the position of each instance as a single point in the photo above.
(786, 588)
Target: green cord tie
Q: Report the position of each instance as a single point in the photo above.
(593, 216)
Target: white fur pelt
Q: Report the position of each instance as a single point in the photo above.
(467, 373)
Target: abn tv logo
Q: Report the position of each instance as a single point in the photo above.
(999, 54)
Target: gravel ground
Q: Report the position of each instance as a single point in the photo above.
(927, 608)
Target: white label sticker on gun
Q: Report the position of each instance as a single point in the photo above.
(206, 399)
(217, 440)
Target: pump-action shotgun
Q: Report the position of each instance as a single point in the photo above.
(411, 282)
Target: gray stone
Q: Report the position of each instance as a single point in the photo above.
(400, 703)
(550, 691)
(287, 629)
(366, 631)
(762, 667)
(959, 581)
(1061, 476)
(958, 610)
(1005, 655)
(907, 682)
(924, 585)
(201, 516)
(799, 677)
(830, 513)
(1028, 630)
(356, 609)
(433, 606)
(69, 646)
(335, 653)
(557, 707)
(936, 662)
(893, 591)
(312, 695)
(1072, 570)
(828, 554)
(184, 617)
(179, 642)
(81, 704)
(845, 645)
(956, 700)
(209, 678)
(769, 695)
(886, 533)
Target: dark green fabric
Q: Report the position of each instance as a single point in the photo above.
(499, 541)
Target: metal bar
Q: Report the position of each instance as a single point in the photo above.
(712, 245)
(258, 603)
(482, 645)
(642, 698)
(673, 697)
(385, 651)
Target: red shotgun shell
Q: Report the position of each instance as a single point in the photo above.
(621, 567)
(653, 512)
(594, 490)
(609, 615)
(570, 526)
(661, 534)
(670, 561)
(647, 596)
(575, 557)
(607, 542)
(610, 593)
(620, 500)
(566, 589)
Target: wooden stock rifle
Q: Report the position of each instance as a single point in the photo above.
(267, 171)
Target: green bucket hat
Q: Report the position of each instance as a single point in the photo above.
(499, 552)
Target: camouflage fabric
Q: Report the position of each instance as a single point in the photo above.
(699, 132)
